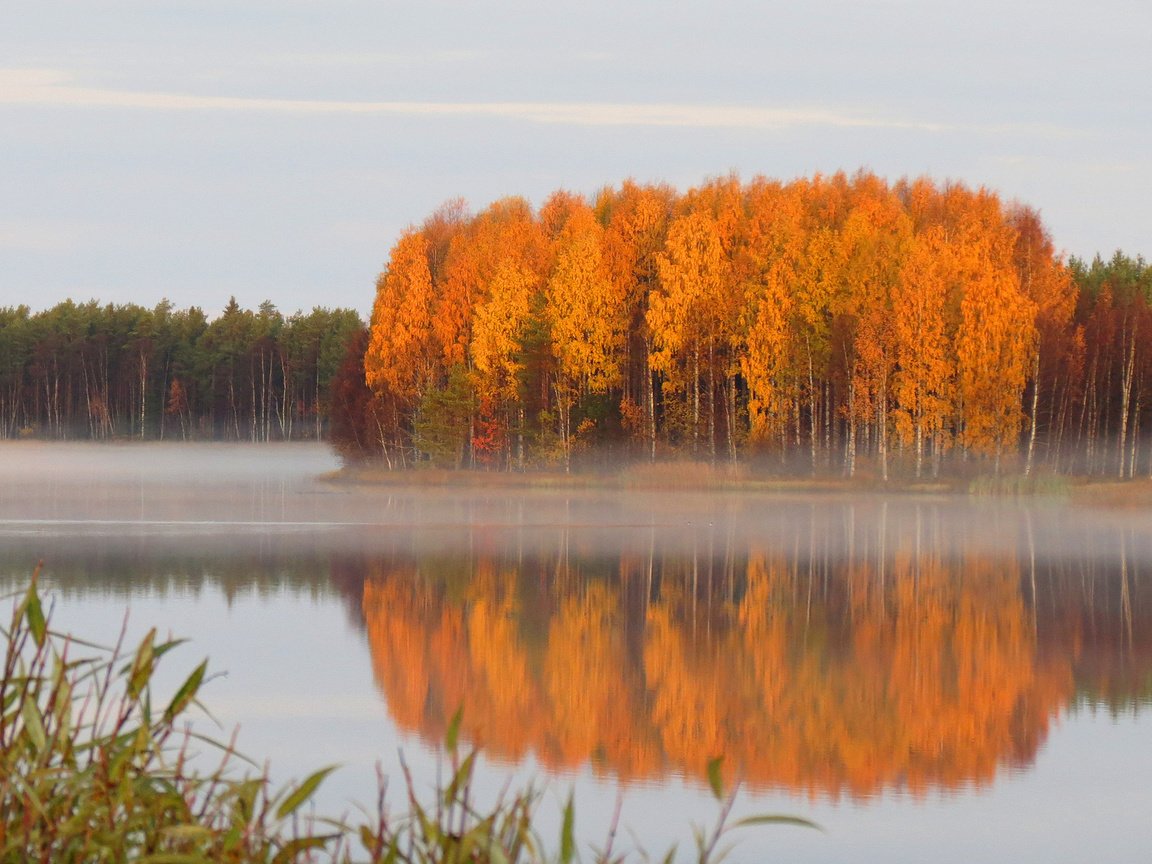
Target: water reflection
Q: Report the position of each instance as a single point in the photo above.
(864, 657)
(839, 647)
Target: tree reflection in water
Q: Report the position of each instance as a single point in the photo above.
(886, 660)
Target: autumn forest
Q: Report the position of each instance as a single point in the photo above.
(841, 325)
(838, 324)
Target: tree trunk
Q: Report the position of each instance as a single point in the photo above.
(919, 443)
(1125, 398)
(316, 393)
(827, 422)
(813, 414)
(1035, 408)
(563, 407)
(1135, 434)
(850, 452)
(285, 413)
(1085, 437)
(651, 382)
(882, 429)
(711, 404)
(695, 400)
(520, 437)
(730, 415)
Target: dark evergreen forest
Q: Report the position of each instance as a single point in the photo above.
(105, 371)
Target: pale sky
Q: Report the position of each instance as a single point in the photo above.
(274, 149)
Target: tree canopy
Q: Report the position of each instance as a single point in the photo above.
(827, 323)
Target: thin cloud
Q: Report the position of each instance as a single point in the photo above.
(55, 88)
(43, 236)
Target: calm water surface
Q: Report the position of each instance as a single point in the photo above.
(938, 680)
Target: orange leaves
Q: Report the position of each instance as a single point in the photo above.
(765, 360)
(636, 223)
(997, 334)
(920, 332)
(497, 326)
(585, 309)
(682, 314)
(825, 313)
(402, 350)
(773, 250)
(502, 243)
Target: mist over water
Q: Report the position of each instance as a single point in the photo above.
(864, 660)
(129, 489)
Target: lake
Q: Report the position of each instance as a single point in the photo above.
(951, 680)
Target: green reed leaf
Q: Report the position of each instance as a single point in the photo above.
(186, 693)
(367, 839)
(491, 849)
(303, 792)
(34, 724)
(460, 779)
(768, 819)
(292, 849)
(34, 615)
(452, 736)
(189, 833)
(715, 778)
(142, 665)
(567, 833)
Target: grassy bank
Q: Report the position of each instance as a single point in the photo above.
(96, 767)
(655, 477)
(705, 477)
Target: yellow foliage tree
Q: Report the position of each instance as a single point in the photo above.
(585, 312)
(925, 380)
(997, 336)
(690, 302)
(402, 351)
(773, 247)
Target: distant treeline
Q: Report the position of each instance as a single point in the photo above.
(833, 324)
(124, 371)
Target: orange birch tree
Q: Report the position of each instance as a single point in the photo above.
(997, 336)
(402, 349)
(585, 312)
(774, 244)
(873, 242)
(402, 358)
(636, 224)
(924, 380)
(1046, 282)
(681, 313)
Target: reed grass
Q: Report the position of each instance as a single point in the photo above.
(94, 768)
(1020, 485)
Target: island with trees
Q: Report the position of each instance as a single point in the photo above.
(837, 324)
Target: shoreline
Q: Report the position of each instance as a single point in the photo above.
(689, 478)
(669, 477)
